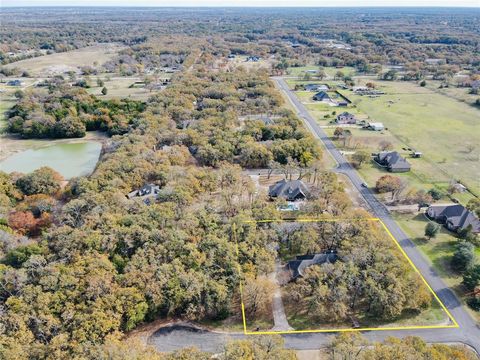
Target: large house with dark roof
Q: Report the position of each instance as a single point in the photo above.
(298, 266)
(393, 161)
(321, 96)
(147, 193)
(455, 217)
(289, 190)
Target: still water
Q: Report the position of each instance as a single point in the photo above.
(70, 160)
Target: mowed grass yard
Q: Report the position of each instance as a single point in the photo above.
(438, 250)
(119, 88)
(420, 177)
(329, 70)
(446, 130)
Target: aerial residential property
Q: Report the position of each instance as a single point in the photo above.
(392, 161)
(289, 190)
(346, 118)
(239, 180)
(455, 217)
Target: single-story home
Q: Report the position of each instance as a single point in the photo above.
(376, 126)
(321, 96)
(14, 83)
(455, 217)
(147, 193)
(297, 267)
(289, 190)
(316, 87)
(393, 161)
(346, 118)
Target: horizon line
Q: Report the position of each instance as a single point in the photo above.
(245, 7)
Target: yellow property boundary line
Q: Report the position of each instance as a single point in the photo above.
(307, 220)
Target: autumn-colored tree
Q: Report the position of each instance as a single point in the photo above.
(388, 183)
(23, 221)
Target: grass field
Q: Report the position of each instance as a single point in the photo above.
(420, 177)
(458, 93)
(447, 131)
(330, 71)
(71, 60)
(438, 251)
(119, 87)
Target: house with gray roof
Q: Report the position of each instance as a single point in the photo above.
(455, 217)
(346, 118)
(316, 87)
(289, 190)
(321, 96)
(298, 266)
(147, 193)
(393, 161)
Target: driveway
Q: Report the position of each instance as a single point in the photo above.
(468, 332)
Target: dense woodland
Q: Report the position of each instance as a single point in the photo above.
(399, 36)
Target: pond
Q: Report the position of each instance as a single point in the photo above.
(70, 160)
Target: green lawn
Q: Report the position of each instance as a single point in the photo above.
(447, 131)
(5, 104)
(420, 177)
(330, 71)
(438, 251)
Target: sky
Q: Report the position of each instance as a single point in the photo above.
(244, 3)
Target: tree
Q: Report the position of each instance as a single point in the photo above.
(431, 230)
(257, 295)
(464, 256)
(348, 346)
(360, 157)
(41, 181)
(23, 221)
(471, 277)
(100, 82)
(388, 183)
(104, 91)
(260, 347)
(423, 83)
(385, 145)
(436, 194)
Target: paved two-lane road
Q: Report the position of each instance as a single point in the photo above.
(468, 332)
(175, 337)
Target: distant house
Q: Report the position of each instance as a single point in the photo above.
(376, 126)
(454, 217)
(147, 193)
(342, 103)
(14, 83)
(253, 58)
(360, 88)
(289, 190)
(393, 161)
(316, 87)
(321, 96)
(298, 266)
(346, 118)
